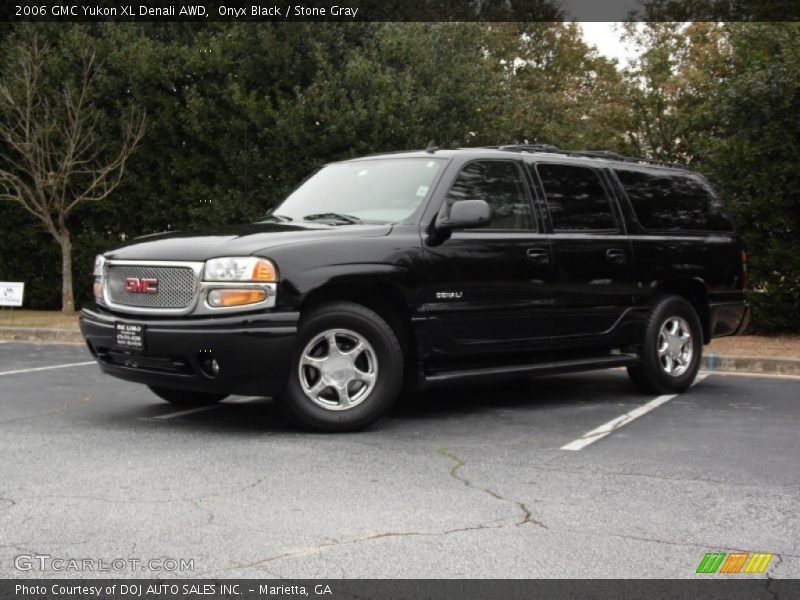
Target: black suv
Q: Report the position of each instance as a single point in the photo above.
(428, 268)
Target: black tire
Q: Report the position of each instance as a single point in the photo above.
(651, 376)
(186, 398)
(388, 379)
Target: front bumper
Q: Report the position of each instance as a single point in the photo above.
(253, 351)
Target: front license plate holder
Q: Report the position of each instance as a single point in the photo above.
(129, 336)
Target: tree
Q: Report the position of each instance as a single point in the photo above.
(670, 83)
(751, 154)
(556, 89)
(724, 98)
(54, 159)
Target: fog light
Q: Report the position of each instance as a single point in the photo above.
(235, 297)
(209, 365)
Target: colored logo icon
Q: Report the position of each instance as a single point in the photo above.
(734, 562)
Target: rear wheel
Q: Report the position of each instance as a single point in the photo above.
(347, 369)
(186, 398)
(672, 348)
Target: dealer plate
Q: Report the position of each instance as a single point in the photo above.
(129, 336)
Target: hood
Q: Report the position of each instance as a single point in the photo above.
(237, 240)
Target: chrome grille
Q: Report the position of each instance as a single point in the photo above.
(176, 286)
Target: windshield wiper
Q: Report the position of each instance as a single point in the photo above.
(331, 216)
(281, 218)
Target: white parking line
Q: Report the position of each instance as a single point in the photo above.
(606, 428)
(64, 366)
(190, 411)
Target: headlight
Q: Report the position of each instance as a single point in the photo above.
(99, 262)
(97, 285)
(248, 268)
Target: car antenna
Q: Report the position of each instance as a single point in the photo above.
(432, 147)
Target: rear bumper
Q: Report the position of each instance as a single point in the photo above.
(253, 351)
(729, 318)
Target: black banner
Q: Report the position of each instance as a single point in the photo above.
(398, 10)
(405, 589)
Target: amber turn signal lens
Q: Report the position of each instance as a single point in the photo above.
(222, 298)
(264, 271)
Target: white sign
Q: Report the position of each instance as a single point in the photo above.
(11, 293)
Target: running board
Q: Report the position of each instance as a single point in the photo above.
(543, 368)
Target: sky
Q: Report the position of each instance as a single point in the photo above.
(606, 38)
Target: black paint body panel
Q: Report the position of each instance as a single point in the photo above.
(471, 297)
(253, 351)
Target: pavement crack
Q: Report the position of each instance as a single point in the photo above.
(241, 490)
(61, 409)
(193, 499)
(525, 517)
(770, 579)
(528, 516)
(714, 547)
(309, 550)
(568, 471)
(455, 473)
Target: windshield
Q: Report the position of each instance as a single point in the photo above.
(379, 190)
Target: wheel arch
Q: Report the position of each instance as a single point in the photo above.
(385, 298)
(694, 291)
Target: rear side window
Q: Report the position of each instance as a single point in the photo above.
(576, 198)
(501, 184)
(674, 202)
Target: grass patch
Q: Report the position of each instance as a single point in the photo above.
(762, 346)
(52, 319)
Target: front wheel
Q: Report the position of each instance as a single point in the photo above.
(671, 350)
(347, 369)
(185, 398)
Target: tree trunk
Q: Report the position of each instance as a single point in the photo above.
(67, 300)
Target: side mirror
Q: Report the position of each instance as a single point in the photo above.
(465, 214)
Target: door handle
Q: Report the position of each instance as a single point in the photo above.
(540, 256)
(617, 256)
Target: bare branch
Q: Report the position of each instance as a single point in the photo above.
(108, 178)
(54, 156)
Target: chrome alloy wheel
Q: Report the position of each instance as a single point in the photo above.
(338, 369)
(675, 346)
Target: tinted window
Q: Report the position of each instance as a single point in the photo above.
(576, 198)
(674, 202)
(500, 183)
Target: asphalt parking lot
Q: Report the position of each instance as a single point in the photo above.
(457, 483)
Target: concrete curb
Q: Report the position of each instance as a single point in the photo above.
(711, 362)
(41, 334)
(751, 364)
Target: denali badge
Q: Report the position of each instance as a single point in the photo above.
(449, 295)
(137, 285)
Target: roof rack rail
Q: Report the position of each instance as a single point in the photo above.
(602, 154)
(607, 154)
(529, 148)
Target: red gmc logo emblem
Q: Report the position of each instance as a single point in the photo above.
(137, 285)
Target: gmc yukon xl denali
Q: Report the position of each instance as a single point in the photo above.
(428, 268)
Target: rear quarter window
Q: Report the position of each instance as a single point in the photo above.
(674, 202)
(576, 198)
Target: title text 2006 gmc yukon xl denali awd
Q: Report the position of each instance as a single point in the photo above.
(428, 268)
